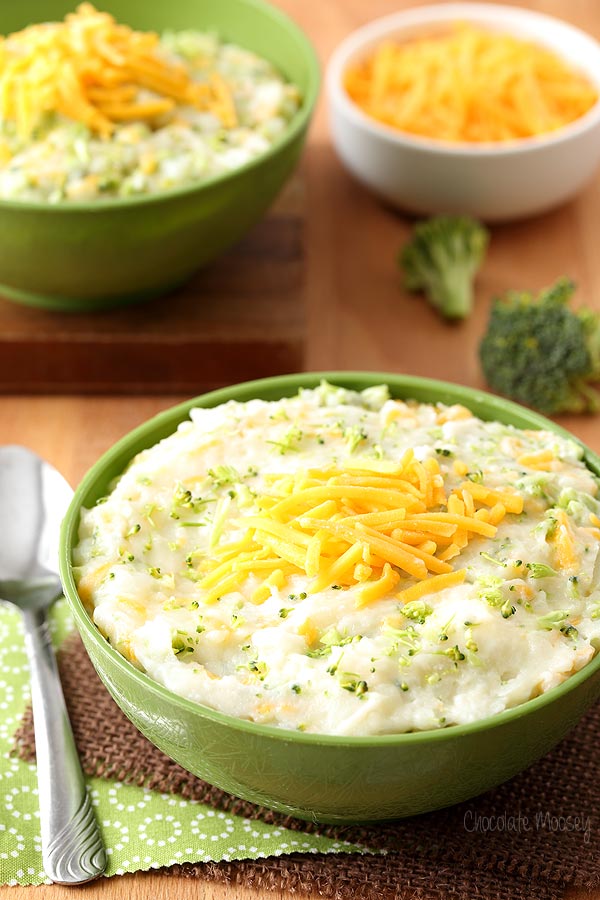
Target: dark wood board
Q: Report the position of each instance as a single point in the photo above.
(242, 317)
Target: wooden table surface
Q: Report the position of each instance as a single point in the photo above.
(358, 318)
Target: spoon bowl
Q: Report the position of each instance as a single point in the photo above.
(35, 498)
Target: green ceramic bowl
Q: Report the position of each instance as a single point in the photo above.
(111, 252)
(327, 778)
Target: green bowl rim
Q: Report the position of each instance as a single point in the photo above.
(286, 383)
(295, 127)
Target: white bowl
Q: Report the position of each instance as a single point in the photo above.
(495, 181)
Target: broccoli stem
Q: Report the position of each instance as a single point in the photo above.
(591, 396)
(442, 259)
(454, 296)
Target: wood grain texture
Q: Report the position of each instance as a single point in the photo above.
(241, 317)
(148, 886)
(357, 317)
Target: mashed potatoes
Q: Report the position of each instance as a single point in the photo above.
(65, 160)
(349, 564)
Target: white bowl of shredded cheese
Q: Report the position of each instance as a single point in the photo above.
(494, 180)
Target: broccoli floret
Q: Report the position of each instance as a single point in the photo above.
(442, 260)
(542, 353)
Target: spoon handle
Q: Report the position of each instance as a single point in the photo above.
(72, 849)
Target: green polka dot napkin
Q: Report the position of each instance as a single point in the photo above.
(142, 829)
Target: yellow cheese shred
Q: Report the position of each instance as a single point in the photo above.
(564, 545)
(95, 71)
(375, 590)
(512, 502)
(470, 85)
(370, 527)
(91, 581)
(432, 586)
(543, 461)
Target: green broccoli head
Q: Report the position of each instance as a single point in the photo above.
(541, 353)
(441, 260)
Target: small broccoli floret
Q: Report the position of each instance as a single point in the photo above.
(542, 353)
(442, 260)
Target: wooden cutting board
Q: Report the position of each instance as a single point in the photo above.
(240, 318)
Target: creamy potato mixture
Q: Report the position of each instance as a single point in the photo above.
(346, 563)
(65, 160)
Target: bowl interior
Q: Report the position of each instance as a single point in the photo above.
(98, 481)
(253, 24)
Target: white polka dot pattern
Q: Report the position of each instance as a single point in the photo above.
(141, 829)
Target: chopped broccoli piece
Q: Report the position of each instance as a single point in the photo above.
(540, 352)
(553, 619)
(540, 570)
(331, 395)
(417, 610)
(442, 259)
(375, 396)
(354, 435)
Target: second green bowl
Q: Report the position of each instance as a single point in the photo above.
(312, 776)
(83, 256)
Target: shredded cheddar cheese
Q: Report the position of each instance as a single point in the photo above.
(564, 545)
(470, 85)
(544, 461)
(344, 576)
(432, 586)
(91, 580)
(95, 71)
(370, 526)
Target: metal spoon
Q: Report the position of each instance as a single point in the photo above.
(33, 500)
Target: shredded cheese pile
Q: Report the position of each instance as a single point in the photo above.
(372, 525)
(470, 85)
(97, 72)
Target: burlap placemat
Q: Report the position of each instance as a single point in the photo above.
(530, 838)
